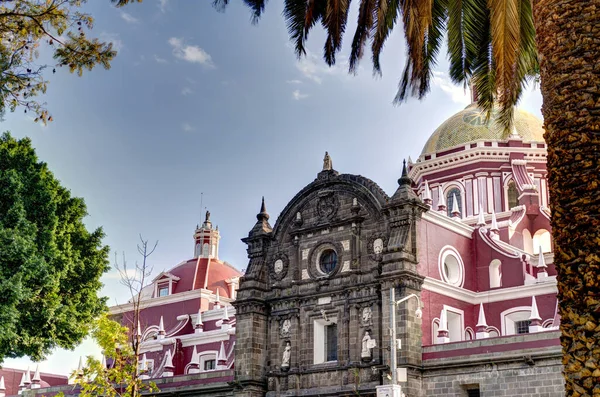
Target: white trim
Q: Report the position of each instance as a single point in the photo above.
(510, 324)
(319, 335)
(469, 331)
(492, 328)
(498, 295)
(461, 326)
(451, 185)
(205, 356)
(445, 252)
(434, 322)
(164, 300)
(448, 223)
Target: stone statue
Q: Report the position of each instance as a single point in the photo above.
(327, 165)
(207, 216)
(367, 346)
(287, 352)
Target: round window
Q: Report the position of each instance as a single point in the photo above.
(451, 266)
(451, 269)
(328, 261)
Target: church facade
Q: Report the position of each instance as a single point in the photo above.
(446, 287)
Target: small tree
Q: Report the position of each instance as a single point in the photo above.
(121, 378)
(120, 344)
(30, 27)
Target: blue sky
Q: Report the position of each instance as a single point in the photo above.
(205, 102)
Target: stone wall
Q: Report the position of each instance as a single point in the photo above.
(529, 367)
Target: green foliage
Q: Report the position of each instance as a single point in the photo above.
(122, 378)
(491, 44)
(50, 264)
(29, 27)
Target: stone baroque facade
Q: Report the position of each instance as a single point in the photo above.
(464, 243)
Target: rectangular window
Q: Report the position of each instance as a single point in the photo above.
(163, 291)
(209, 364)
(331, 342)
(522, 327)
(473, 392)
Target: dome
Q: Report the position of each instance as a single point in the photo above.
(469, 125)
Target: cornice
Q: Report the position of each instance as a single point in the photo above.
(496, 295)
(165, 300)
(448, 223)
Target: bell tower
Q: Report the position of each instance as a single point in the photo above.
(206, 240)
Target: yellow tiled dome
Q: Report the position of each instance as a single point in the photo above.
(469, 125)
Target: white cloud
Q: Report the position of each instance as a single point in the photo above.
(159, 59)
(457, 94)
(297, 95)
(186, 91)
(190, 53)
(187, 127)
(113, 38)
(162, 4)
(315, 69)
(294, 82)
(129, 18)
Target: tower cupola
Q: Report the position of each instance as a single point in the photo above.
(206, 240)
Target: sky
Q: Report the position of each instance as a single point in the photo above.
(203, 110)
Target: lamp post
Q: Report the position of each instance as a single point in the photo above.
(393, 342)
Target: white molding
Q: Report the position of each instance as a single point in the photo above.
(497, 295)
(505, 315)
(165, 300)
(461, 314)
(446, 251)
(448, 223)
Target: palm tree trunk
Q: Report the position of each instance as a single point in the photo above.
(568, 39)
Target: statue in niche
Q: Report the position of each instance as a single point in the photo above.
(285, 328)
(366, 353)
(287, 353)
(366, 316)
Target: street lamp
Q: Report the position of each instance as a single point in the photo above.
(393, 342)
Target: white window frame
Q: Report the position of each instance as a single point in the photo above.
(319, 335)
(509, 316)
(446, 251)
(461, 326)
(494, 270)
(208, 355)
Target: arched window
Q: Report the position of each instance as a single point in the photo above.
(328, 261)
(205, 250)
(513, 195)
(542, 238)
(495, 274)
(453, 194)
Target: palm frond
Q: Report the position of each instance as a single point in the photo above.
(294, 13)
(219, 5)
(483, 77)
(336, 17)
(363, 30)
(257, 7)
(417, 17)
(527, 65)
(419, 69)
(386, 14)
(506, 40)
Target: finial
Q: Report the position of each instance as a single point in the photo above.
(481, 321)
(222, 358)
(542, 260)
(2, 386)
(404, 179)
(535, 314)
(494, 226)
(27, 377)
(481, 217)
(327, 163)
(161, 327)
(207, 216)
(169, 360)
(36, 376)
(263, 215)
(427, 193)
(441, 200)
(455, 211)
